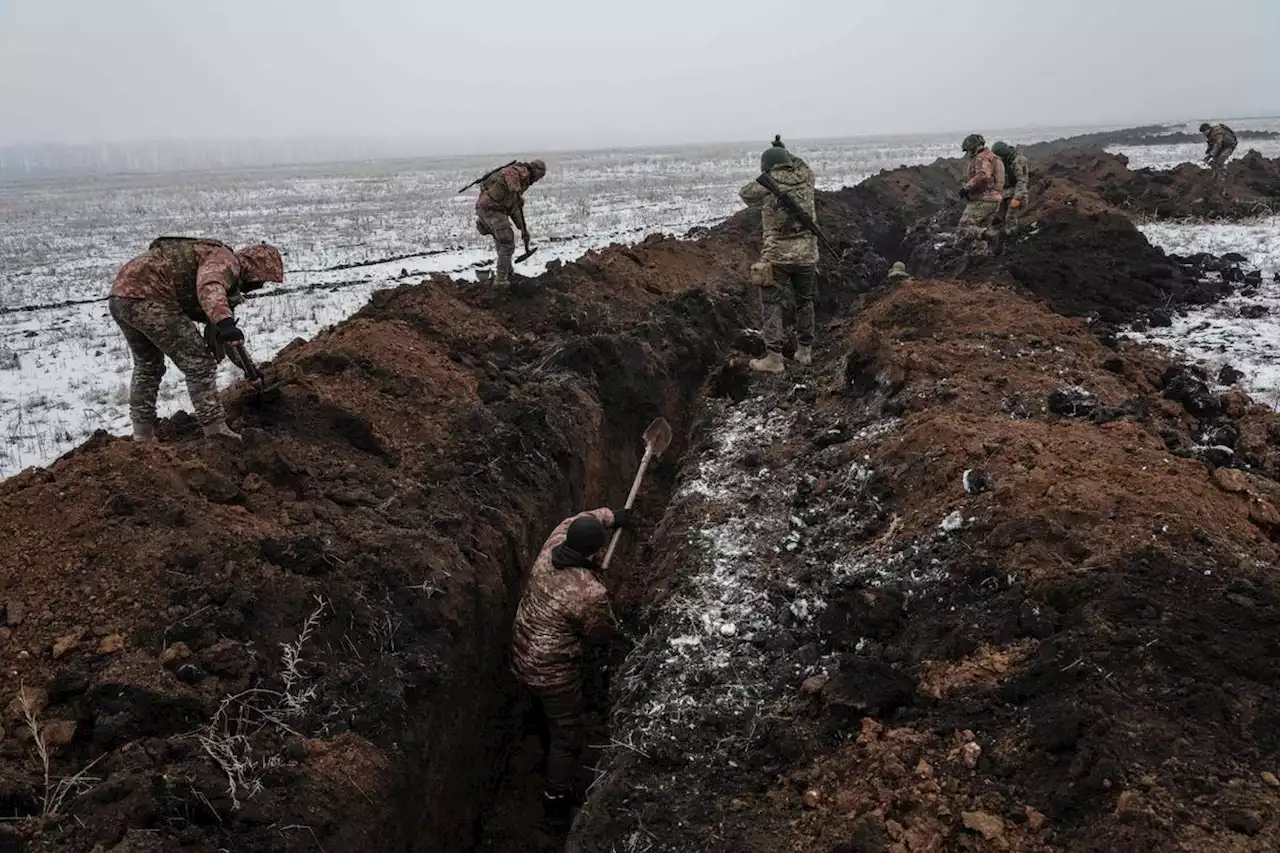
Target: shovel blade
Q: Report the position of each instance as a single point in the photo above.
(657, 438)
(522, 258)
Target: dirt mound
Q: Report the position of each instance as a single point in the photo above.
(310, 632)
(923, 612)
(301, 643)
(1253, 183)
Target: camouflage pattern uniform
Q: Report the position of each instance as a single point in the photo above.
(154, 300)
(560, 606)
(985, 190)
(789, 250)
(1015, 188)
(1222, 144)
(501, 201)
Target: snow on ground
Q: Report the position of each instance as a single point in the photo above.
(1168, 156)
(1218, 334)
(64, 371)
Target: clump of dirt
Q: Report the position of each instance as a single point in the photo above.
(921, 611)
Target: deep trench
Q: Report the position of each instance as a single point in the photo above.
(511, 818)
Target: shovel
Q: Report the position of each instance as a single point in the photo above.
(657, 438)
(528, 254)
(240, 356)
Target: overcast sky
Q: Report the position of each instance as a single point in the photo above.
(583, 73)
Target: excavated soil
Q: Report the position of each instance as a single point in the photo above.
(301, 644)
(1085, 660)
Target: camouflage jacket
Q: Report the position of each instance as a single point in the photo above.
(786, 241)
(1015, 180)
(986, 177)
(1221, 139)
(559, 608)
(504, 190)
(197, 275)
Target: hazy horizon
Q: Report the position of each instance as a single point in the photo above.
(586, 74)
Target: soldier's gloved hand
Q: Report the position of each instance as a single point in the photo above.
(963, 192)
(624, 519)
(229, 332)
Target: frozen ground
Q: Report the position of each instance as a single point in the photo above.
(1168, 156)
(1243, 331)
(346, 229)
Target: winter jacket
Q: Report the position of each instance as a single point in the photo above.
(785, 239)
(1222, 140)
(1015, 176)
(504, 189)
(196, 275)
(560, 607)
(986, 177)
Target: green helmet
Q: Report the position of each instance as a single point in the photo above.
(973, 143)
(775, 155)
(1205, 127)
(1002, 150)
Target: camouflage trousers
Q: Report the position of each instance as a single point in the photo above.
(497, 224)
(562, 734)
(977, 219)
(1219, 167)
(803, 280)
(154, 330)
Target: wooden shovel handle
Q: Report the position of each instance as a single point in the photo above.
(631, 499)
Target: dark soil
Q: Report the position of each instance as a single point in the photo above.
(1088, 663)
(392, 493)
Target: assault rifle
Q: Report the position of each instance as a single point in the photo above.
(796, 210)
(486, 176)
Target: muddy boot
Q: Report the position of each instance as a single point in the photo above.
(557, 810)
(221, 430)
(771, 363)
(804, 354)
(144, 432)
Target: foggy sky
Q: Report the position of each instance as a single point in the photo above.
(486, 74)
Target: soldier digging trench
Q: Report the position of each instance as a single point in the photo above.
(1221, 145)
(501, 202)
(564, 604)
(158, 296)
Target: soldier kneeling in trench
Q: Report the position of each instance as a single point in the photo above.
(563, 604)
(157, 297)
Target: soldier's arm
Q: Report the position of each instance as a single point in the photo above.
(980, 177)
(753, 195)
(596, 618)
(1021, 176)
(214, 278)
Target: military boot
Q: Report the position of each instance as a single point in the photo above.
(771, 363)
(557, 810)
(804, 354)
(221, 430)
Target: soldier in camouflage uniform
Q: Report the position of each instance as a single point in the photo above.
(1016, 192)
(1222, 144)
(983, 191)
(501, 202)
(563, 604)
(789, 256)
(156, 298)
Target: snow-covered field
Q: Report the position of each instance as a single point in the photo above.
(1168, 156)
(1243, 331)
(346, 230)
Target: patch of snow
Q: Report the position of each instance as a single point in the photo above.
(1217, 335)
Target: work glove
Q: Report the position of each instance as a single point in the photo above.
(1016, 203)
(229, 332)
(963, 192)
(624, 519)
